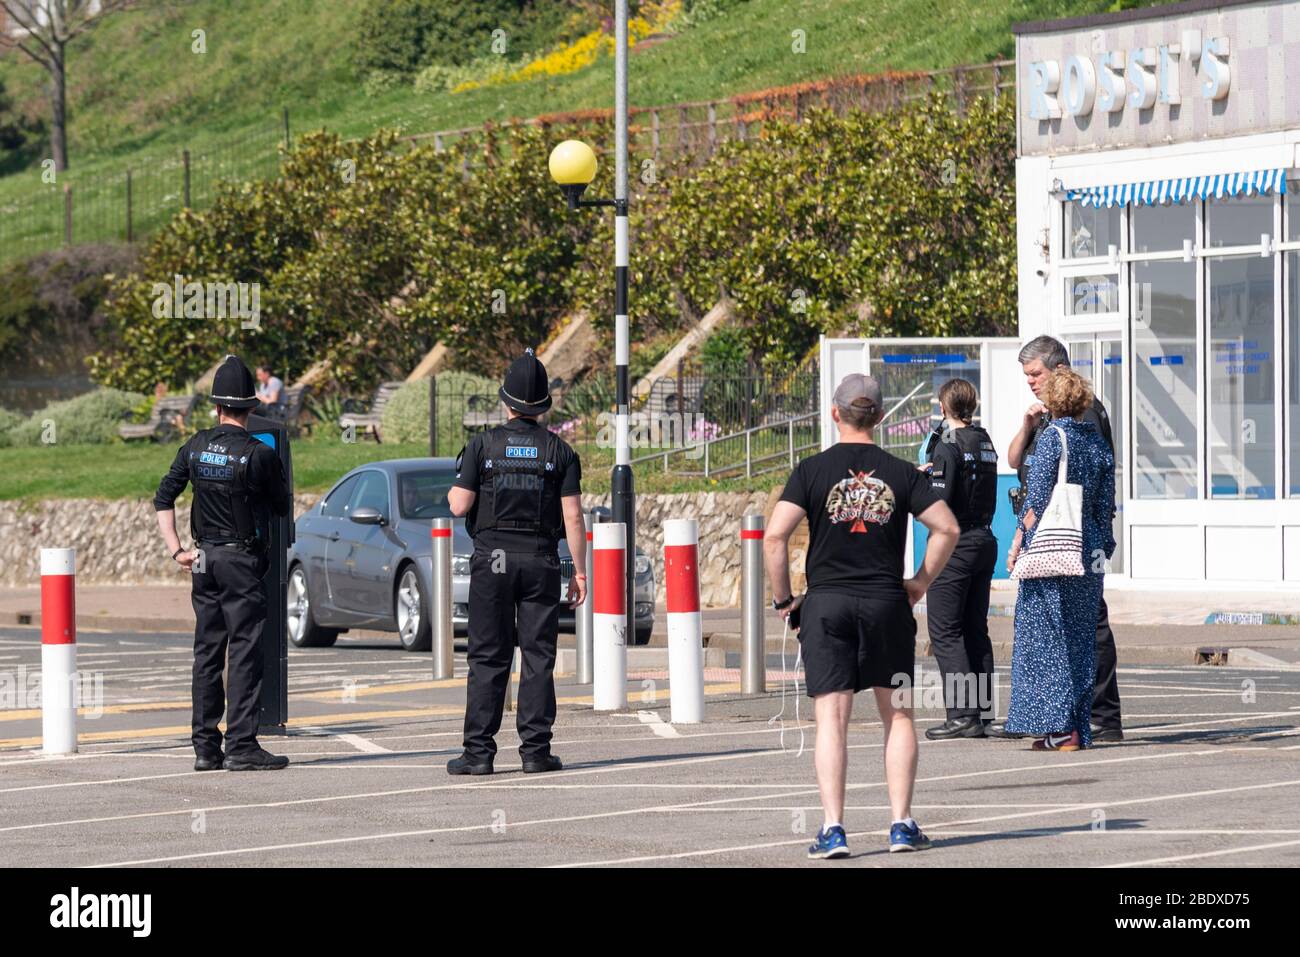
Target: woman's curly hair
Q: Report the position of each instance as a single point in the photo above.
(1066, 394)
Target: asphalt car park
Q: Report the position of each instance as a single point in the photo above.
(1209, 774)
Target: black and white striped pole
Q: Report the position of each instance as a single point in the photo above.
(573, 167)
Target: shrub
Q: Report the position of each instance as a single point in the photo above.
(724, 353)
(50, 308)
(89, 419)
(9, 420)
(895, 223)
(403, 36)
(406, 416)
(911, 232)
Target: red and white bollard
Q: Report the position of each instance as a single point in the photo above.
(685, 647)
(58, 650)
(609, 621)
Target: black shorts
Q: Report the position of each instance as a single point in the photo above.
(850, 643)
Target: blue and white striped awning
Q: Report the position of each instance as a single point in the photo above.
(1183, 189)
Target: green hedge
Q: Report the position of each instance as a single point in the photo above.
(898, 223)
(368, 253)
(88, 419)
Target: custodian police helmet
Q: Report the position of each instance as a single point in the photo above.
(233, 386)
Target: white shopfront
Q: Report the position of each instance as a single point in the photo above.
(1158, 225)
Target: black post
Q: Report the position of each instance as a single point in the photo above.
(287, 140)
(130, 233)
(185, 157)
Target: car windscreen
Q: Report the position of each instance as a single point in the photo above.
(423, 493)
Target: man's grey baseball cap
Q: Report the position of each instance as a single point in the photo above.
(860, 392)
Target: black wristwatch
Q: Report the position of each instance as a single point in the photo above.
(780, 605)
(177, 552)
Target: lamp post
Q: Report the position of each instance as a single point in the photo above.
(573, 167)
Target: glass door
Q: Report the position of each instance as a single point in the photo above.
(1099, 357)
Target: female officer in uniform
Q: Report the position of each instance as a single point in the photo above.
(963, 467)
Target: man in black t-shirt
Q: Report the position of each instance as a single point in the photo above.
(855, 624)
(1039, 358)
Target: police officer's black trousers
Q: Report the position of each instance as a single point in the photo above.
(1105, 692)
(514, 599)
(956, 613)
(229, 611)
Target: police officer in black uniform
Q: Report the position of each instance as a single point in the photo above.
(519, 487)
(1039, 358)
(238, 483)
(963, 468)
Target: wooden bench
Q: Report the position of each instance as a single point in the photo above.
(295, 400)
(166, 420)
(370, 423)
(662, 399)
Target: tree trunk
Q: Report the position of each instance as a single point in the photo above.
(58, 110)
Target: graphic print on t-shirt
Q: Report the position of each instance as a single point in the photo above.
(860, 498)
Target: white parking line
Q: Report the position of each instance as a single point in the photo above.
(936, 826)
(1204, 854)
(657, 724)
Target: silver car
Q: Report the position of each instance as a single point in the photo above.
(363, 558)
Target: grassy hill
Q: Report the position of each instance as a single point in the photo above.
(138, 94)
(134, 81)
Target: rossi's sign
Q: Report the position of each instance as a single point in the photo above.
(1157, 76)
(1138, 78)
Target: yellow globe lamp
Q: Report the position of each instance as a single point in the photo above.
(573, 167)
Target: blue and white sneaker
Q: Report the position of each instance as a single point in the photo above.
(904, 838)
(829, 844)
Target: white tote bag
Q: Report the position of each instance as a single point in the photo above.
(1057, 548)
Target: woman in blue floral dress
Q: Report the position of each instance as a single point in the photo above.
(1053, 660)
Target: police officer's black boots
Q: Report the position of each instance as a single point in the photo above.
(467, 765)
(258, 759)
(966, 726)
(541, 765)
(209, 762)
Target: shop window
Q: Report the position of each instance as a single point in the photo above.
(1241, 447)
(1239, 220)
(1165, 375)
(1162, 228)
(1092, 294)
(1090, 230)
(1241, 443)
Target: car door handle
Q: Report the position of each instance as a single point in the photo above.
(334, 536)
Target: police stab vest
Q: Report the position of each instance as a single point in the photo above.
(518, 484)
(977, 482)
(218, 464)
(979, 474)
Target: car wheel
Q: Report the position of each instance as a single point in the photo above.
(414, 626)
(303, 630)
(643, 634)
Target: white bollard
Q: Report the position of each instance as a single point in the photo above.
(609, 617)
(685, 646)
(58, 650)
